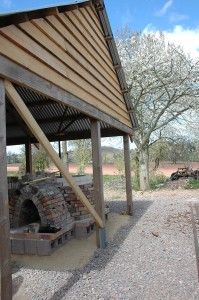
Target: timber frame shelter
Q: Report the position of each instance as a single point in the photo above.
(61, 79)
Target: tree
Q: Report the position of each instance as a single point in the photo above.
(119, 162)
(82, 153)
(41, 160)
(163, 84)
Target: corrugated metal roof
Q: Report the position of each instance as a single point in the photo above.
(55, 119)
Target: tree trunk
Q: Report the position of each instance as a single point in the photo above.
(65, 153)
(144, 169)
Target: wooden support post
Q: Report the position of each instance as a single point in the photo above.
(5, 268)
(59, 146)
(98, 180)
(22, 109)
(28, 150)
(127, 163)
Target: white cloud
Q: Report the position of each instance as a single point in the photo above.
(187, 38)
(164, 9)
(177, 17)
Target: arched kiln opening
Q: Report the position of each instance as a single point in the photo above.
(29, 213)
(40, 203)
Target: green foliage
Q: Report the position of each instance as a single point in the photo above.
(118, 181)
(156, 179)
(119, 162)
(193, 184)
(22, 169)
(13, 158)
(40, 160)
(136, 184)
(82, 154)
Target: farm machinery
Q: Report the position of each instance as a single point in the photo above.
(185, 173)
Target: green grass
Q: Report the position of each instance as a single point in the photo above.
(156, 180)
(119, 181)
(193, 184)
(12, 173)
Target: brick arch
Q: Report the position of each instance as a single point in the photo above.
(48, 201)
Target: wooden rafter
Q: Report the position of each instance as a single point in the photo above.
(22, 109)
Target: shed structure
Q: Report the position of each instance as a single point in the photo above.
(61, 79)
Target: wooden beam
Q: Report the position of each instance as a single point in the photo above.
(99, 7)
(127, 163)
(85, 4)
(38, 133)
(98, 180)
(28, 150)
(68, 7)
(5, 268)
(23, 77)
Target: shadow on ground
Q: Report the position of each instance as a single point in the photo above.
(102, 257)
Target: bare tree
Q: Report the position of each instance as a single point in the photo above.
(163, 84)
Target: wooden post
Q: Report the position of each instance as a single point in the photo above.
(28, 150)
(98, 180)
(22, 109)
(127, 163)
(6, 277)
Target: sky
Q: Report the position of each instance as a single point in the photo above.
(178, 19)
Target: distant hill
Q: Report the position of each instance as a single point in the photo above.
(110, 150)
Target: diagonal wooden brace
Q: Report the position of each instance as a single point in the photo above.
(24, 112)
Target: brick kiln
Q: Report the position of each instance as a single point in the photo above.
(45, 213)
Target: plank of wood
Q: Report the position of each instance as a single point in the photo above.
(127, 164)
(97, 174)
(5, 267)
(28, 150)
(19, 38)
(93, 29)
(93, 14)
(75, 62)
(25, 78)
(86, 31)
(20, 106)
(31, 63)
(63, 33)
(81, 35)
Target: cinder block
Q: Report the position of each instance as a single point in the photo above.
(44, 247)
(17, 246)
(30, 246)
(54, 244)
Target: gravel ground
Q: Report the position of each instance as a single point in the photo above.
(151, 258)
